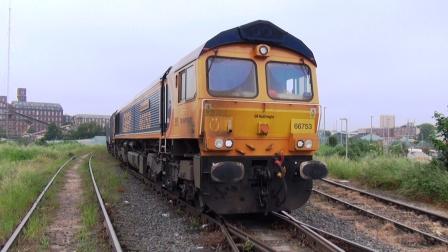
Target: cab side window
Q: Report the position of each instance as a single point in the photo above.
(187, 84)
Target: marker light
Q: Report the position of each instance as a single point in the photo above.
(300, 144)
(228, 143)
(308, 144)
(219, 143)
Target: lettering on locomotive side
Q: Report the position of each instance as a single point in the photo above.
(186, 120)
(217, 112)
(264, 116)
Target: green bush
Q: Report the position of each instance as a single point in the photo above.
(333, 141)
(327, 150)
(398, 149)
(356, 149)
(440, 141)
(426, 181)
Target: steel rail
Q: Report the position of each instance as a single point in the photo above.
(109, 227)
(432, 215)
(340, 242)
(247, 237)
(404, 227)
(25, 219)
(230, 241)
(315, 240)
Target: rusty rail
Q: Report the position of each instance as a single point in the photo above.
(109, 227)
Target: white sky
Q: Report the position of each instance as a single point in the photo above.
(91, 56)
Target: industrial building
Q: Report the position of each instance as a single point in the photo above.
(21, 117)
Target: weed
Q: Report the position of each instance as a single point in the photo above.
(195, 223)
(45, 242)
(179, 211)
(248, 246)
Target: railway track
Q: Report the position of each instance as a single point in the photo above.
(238, 236)
(433, 215)
(30, 212)
(108, 224)
(340, 242)
(431, 226)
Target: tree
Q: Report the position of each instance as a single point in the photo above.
(87, 130)
(427, 130)
(440, 140)
(333, 141)
(53, 132)
(2, 132)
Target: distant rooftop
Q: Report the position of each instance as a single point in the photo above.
(36, 105)
(373, 137)
(91, 116)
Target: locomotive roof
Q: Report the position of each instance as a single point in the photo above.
(259, 31)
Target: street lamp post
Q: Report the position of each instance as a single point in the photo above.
(341, 132)
(346, 136)
(325, 133)
(371, 128)
(8, 73)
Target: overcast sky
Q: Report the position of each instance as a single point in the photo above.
(91, 56)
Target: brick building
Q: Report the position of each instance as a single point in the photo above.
(28, 117)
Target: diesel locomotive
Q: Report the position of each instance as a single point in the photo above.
(232, 127)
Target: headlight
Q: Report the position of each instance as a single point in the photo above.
(263, 50)
(228, 143)
(308, 144)
(300, 144)
(219, 143)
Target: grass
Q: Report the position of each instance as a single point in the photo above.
(425, 182)
(34, 233)
(24, 171)
(109, 180)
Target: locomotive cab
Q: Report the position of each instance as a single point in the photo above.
(260, 115)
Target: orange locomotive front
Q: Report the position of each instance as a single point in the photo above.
(232, 127)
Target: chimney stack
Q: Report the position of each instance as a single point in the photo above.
(21, 94)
